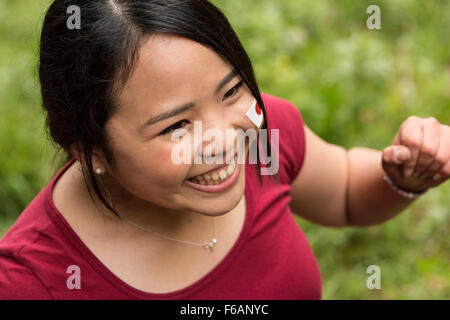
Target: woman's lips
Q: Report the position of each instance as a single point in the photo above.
(226, 164)
(208, 186)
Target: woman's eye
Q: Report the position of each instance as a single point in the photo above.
(231, 93)
(177, 125)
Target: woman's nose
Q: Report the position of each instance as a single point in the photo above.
(217, 142)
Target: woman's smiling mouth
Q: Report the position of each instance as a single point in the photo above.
(217, 180)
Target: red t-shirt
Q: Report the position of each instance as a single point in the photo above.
(271, 258)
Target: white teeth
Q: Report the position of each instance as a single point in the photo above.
(216, 177)
(223, 174)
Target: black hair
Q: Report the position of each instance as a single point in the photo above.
(81, 71)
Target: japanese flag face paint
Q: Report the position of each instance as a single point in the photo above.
(255, 114)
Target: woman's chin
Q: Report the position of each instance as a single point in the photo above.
(213, 209)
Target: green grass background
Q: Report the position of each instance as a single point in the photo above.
(354, 87)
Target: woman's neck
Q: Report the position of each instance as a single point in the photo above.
(189, 226)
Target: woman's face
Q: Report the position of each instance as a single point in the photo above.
(172, 72)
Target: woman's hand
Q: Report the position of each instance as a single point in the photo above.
(419, 157)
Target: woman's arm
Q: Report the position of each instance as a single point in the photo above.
(319, 191)
(338, 188)
(370, 199)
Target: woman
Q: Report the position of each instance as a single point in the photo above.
(122, 220)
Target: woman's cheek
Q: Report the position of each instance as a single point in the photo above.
(160, 178)
(240, 111)
(168, 173)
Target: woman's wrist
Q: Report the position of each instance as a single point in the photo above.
(400, 190)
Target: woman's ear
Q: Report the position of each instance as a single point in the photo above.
(99, 165)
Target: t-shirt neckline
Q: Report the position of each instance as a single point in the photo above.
(121, 285)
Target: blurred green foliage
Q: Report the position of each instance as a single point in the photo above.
(354, 87)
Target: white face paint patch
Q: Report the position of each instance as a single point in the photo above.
(255, 113)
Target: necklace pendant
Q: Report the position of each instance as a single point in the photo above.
(210, 246)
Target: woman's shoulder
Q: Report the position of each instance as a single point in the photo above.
(35, 252)
(281, 111)
(19, 282)
(287, 119)
(26, 229)
(35, 235)
(28, 241)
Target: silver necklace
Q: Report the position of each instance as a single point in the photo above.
(208, 244)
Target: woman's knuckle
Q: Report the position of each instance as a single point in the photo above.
(410, 141)
(428, 150)
(432, 120)
(440, 159)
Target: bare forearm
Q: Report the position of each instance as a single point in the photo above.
(370, 200)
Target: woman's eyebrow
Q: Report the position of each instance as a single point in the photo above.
(225, 80)
(186, 106)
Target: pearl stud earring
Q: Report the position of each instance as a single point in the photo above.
(98, 171)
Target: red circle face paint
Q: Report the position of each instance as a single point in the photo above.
(254, 113)
(258, 109)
